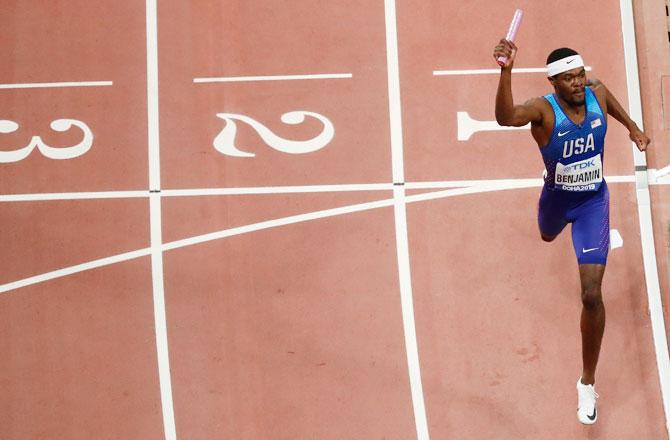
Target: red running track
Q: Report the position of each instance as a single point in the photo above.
(297, 316)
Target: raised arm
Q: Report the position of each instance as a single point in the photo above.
(617, 111)
(506, 112)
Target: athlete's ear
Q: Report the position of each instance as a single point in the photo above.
(552, 81)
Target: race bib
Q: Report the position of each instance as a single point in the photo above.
(585, 175)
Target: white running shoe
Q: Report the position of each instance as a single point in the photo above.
(586, 406)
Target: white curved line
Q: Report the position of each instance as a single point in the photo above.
(74, 269)
(21, 153)
(81, 148)
(7, 126)
(224, 142)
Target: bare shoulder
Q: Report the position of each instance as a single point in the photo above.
(594, 83)
(540, 106)
(597, 86)
(538, 102)
(599, 90)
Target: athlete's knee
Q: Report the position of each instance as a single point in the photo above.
(592, 297)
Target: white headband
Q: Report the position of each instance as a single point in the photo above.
(564, 64)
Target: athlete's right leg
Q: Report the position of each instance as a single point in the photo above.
(550, 215)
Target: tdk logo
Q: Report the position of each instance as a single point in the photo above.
(581, 165)
(578, 146)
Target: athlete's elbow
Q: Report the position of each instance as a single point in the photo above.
(505, 121)
(512, 121)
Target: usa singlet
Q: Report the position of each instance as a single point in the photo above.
(573, 157)
(574, 188)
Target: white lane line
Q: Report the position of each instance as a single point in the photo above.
(277, 190)
(226, 79)
(55, 85)
(160, 320)
(356, 187)
(157, 276)
(484, 188)
(502, 183)
(73, 196)
(493, 71)
(659, 177)
(400, 218)
(152, 96)
(644, 213)
(74, 269)
(395, 103)
(663, 171)
(620, 179)
(407, 307)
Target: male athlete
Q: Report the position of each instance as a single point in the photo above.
(569, 126)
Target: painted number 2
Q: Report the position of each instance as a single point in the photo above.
(225, 140)
(60, 125)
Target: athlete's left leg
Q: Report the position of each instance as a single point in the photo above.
(593, 327)
(591, 239)
(592, 322)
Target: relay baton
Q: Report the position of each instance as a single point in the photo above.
(511, 33)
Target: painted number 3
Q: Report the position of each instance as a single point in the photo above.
(60, 125)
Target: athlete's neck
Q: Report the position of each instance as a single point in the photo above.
(571, 106)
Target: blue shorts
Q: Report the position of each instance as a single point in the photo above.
(589, 213)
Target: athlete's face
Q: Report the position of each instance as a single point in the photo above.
(570, 85)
